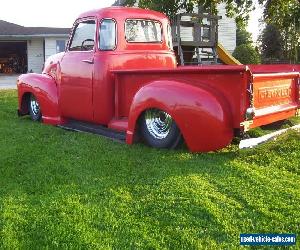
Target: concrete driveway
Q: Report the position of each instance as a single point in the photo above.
(8, 81)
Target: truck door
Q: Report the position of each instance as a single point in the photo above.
(77, 69)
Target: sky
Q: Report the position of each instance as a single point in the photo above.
(62, 13)
(47, 13)
(254, 26)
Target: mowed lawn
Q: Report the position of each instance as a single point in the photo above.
(61, 189)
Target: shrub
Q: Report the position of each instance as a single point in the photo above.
(246, 54)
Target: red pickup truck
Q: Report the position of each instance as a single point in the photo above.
(119, 77)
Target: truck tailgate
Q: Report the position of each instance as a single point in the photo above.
(275, 96)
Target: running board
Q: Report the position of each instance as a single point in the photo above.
(94, 129)
(253, 142)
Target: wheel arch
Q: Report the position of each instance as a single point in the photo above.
(189, 106)
(44, 88)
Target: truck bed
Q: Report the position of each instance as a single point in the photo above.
(274, 96)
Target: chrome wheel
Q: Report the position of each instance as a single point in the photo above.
(159, 130)
(158, 123)
(35, 107)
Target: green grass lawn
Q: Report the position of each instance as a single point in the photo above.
(61, 189)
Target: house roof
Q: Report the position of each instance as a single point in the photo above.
(11, 29)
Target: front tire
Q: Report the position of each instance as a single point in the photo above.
(159, 130)
(34, 109)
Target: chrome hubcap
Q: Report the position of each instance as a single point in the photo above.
(158, 123)
(35, 107)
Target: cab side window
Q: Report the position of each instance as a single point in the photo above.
(83, 36)
(107, 39)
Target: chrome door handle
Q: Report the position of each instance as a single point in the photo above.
(88, 61)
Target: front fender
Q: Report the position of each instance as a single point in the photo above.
(45, 90)
(203, 115)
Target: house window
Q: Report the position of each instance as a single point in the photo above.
(107, 35)
(60, 46)
(143, 31)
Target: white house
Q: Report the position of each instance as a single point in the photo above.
(227, 29)
(25, 49)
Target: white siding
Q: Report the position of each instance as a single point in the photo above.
(50, 45)
(227, 30)
(35, 50)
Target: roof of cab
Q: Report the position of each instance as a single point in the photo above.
(123, 12)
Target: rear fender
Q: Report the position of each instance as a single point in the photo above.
(44, 88)
(202, 115)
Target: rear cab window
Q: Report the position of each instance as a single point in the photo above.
(143, 31)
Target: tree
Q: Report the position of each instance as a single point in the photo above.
(285, 16)
(242, 36)
(246, 54)
(237, 8)
(271, 44)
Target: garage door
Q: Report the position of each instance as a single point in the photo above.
(13, 57)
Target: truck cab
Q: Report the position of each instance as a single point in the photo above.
(99, 44)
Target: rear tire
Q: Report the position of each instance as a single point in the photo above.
(34, 109)
(159, 130)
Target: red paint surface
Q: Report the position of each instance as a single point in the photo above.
(207, 102)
